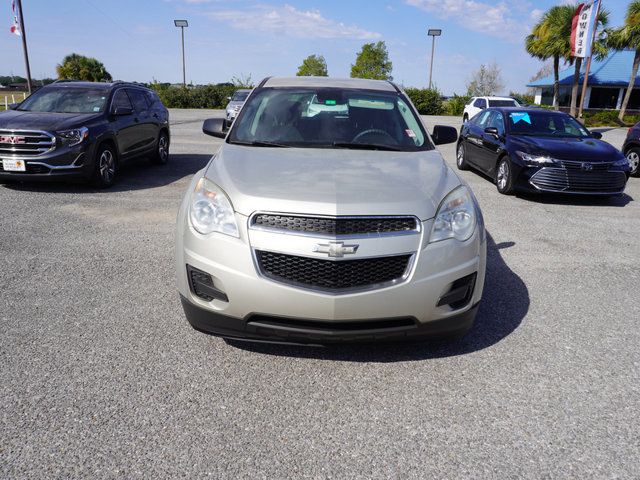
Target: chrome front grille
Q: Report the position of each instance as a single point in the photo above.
(25, 143)
(592, 166)
(578, 181)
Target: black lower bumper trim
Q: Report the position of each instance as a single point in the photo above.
(306, 331)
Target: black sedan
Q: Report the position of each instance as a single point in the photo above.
(631, 149)
(540, 150)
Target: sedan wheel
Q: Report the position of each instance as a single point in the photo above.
(504, 180)
(633, 156)
(162, 150)
(460, 158)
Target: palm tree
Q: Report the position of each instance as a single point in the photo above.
(628, 37)
(599, 50)
(551, 38)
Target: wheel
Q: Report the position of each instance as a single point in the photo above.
(461, 161)
(161, 155)
(504, 178)
(106, 167)
(633, 156)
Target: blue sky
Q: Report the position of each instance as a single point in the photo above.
(136, 39)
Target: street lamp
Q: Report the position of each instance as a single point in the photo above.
(433, 33)
(182, 24)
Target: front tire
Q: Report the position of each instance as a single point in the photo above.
(161, 154)
(461, 161)
(633, 157)
(504, 176)
(106, 167)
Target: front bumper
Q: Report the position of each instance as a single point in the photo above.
(61, 163)
(259, 308)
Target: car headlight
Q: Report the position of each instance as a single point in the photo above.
(74, 136)
(623, 162)
(457, 217)
(536, 159)
(211, 210)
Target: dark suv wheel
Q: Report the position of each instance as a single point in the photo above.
(106, 166)
(161, 154)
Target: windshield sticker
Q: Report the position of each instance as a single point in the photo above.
(96, 109)
(410, 133)
(517, 116)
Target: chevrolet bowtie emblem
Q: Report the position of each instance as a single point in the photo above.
(336, 249)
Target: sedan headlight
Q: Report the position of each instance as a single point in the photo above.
(623, 162)
(74, 136)
(456, 217)
(211, 210)
(536, 159)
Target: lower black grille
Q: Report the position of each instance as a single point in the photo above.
(337, 226)
(202, 286)
(565, 180)
(332, 326)
(332, 275)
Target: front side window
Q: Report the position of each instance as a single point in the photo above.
(330, 118)
(480, 103)
(139, 102)
(481, 118)
(65, 100)
(497, 122)
(121, 99)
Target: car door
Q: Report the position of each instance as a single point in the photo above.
(124, 125)
(474, 138)
(492, 145)
(146, 131)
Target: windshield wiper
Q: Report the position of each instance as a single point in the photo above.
(366, 146)
(258, 143)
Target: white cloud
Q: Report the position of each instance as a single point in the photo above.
(495, 19)
(287, 20)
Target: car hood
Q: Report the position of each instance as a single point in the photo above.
(332, 181)
(589, 149)
(16, 120)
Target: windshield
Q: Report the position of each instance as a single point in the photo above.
(502, 103)
(329, 118)
(65, 100)
(545, 124)
(239, 96)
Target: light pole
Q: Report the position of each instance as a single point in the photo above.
(433, 33)
(182, 24)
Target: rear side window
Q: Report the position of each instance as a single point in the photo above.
(139, 102)
(480, 103)
(502, 103)
(121, 99)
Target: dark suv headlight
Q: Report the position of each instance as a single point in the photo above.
(74, 136)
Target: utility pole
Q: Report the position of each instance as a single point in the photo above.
(182, 24)
(433, 33)
(24, 45)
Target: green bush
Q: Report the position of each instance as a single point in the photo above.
(455, 105)
(205, 96)
(427, 101)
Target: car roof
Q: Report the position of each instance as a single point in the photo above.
(327, 82)
(94, 85)
(499, 98)
(525, 110)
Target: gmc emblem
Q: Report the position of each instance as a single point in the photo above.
(12, 139)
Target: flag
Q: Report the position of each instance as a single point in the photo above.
(582, 28)
(15, 28)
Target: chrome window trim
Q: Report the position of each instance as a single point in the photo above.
(416, 231)
(345, 291)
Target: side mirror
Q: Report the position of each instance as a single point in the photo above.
(596, 135)
(491, 131)
(216, 127)
(13, 106)
(443, 134)
(229, 98)
(121, 111)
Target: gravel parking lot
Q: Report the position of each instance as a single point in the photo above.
(102, 377)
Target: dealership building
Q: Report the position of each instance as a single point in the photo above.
(607, 84)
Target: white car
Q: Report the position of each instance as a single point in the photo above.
(477, 104)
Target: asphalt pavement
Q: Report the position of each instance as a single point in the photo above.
(102, 377)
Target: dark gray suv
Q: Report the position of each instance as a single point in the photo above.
(82, 130)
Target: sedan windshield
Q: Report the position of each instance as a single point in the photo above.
(65, 100)
(240, 96)
(329, 118)
(545, 124)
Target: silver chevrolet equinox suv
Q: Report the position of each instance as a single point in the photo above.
(327, 215)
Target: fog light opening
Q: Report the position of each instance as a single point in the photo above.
(202, 286)
(460, 293)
